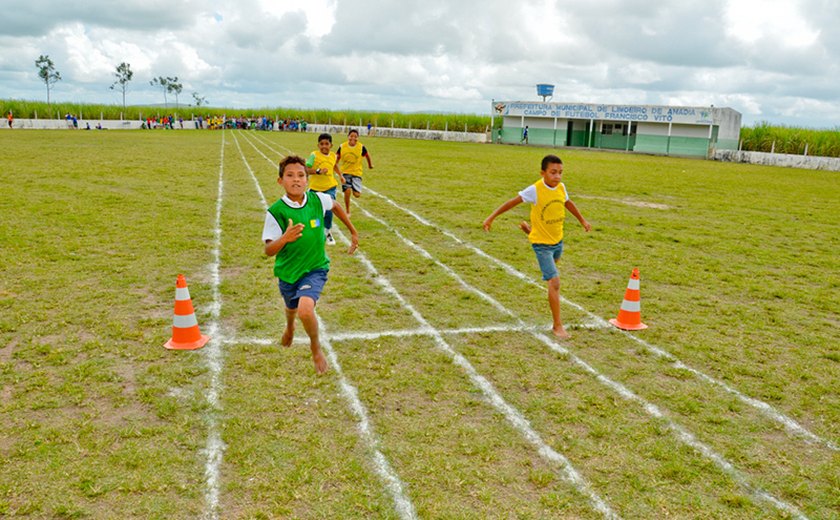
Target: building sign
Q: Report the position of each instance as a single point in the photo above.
(652, 113)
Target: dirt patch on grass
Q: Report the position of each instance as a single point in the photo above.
(630, 202)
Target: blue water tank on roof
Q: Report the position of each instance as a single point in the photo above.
(545, 90)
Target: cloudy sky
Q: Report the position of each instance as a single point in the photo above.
(773, 60)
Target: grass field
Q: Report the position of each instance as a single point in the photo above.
(447, 397)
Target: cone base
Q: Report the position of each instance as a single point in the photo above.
(191, 345)
(627, 326)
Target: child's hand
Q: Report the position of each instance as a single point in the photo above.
(487, 223)
(354, 243)
(293, 232)
(586, 226)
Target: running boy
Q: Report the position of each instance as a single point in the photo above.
(548, 198)
(320, 166)
(350, 155)
(294, 235)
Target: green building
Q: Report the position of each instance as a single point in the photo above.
(666, 130)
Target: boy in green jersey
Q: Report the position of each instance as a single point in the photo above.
(294, 234)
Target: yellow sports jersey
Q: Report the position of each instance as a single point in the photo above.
(325, 163)
(548, 214)
(351, 158)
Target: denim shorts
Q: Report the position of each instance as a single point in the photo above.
(547, 257)
(330, 192)
(311, 284)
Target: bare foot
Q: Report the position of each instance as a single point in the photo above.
(560, 333)
(320, 361)
(288, 336)
(525, 227)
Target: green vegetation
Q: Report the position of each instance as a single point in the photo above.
(98, 420)
(764, 137)
(452, 122)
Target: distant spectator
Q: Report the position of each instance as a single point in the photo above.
(11, 118)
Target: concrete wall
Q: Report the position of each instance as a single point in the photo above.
(402, 133)
(728, 122)
(61, 124)
(779, 159)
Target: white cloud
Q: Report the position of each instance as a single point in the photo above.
(752, 20)
(772, 58)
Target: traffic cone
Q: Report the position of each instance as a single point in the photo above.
(185, 333)
(630, 313)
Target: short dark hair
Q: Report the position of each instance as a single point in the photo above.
(550, 159)
(326, 136)
(353, 131)
(292, 159)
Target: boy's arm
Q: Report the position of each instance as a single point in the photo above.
(367, 154)
(310, 162)
(339, 212)
(574, 211)
(292, 233)
(501, 209)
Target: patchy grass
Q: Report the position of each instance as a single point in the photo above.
(738, 281)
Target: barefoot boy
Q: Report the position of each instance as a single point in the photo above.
(294, 234)
(549, 200)
(349, 155)
(321, 166)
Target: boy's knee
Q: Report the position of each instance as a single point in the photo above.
(306, 308)
(357, 194)
(554, 283)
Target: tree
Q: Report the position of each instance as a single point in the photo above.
(47, 73)
(162, 82)
(199, 100)
(124, 75)
(174, 87)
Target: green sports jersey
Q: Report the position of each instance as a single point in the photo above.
(307, 253)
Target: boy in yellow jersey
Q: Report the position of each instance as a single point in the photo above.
(350, 155)
(549, 200)
(320, 166)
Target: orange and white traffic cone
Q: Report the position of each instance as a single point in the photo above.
(630, 313)
(185, 333)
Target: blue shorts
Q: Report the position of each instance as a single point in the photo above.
(311, 284)
(547, 257)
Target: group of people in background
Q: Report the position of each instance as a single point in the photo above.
(166, 122)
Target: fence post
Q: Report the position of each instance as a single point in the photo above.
(806, 149)
(740, 142)
(773, 147)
